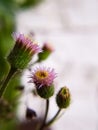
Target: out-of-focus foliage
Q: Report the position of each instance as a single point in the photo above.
(8, 9)
(26, 3)
(7, 25)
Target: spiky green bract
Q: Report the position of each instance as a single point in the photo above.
(46, 91)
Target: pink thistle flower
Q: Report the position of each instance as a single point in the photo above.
(26, 42)
(22, 52)
(43, 76)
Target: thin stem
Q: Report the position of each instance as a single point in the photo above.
(53, 119)
(46, 113)
(5, 83)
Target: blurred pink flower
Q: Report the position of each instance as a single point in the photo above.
(26, 43)
(23, 51)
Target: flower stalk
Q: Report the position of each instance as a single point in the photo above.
(8, 78)
(53, 119)
(46, 113)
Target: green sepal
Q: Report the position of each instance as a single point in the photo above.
(46, 91)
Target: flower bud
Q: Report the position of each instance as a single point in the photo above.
(63, 98)
(47, 50)
(22, 52)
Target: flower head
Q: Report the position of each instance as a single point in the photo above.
(23, 51)
(43, 76)
(26, 42)
(43, 79)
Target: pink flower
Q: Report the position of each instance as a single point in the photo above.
(26, 43)
(22, 52)
(43, 76)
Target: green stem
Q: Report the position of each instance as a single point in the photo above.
(46, 113)
(5, 83)
(53, 119)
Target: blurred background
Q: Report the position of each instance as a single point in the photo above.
(71, 26)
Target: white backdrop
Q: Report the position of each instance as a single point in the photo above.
(71, 26)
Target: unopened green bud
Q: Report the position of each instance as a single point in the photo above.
(63, 98)
(47, 50)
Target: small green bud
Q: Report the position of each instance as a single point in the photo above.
(46, 91)
(63, 98)
(47, 50)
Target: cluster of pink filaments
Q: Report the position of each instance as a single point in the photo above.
(26, 42)
(43, 76)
